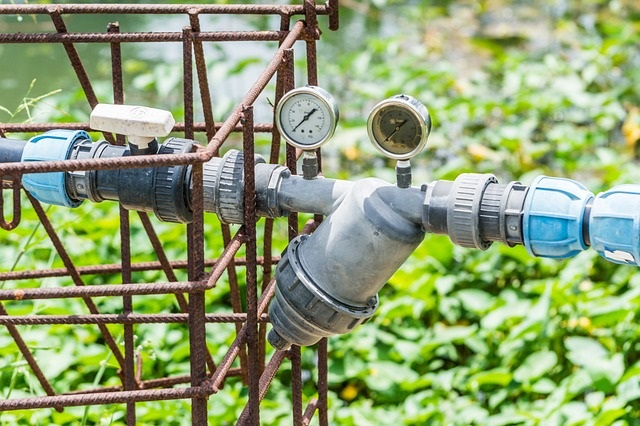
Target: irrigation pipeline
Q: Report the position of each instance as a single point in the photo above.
(207, 374)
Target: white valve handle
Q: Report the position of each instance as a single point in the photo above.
(140, 124)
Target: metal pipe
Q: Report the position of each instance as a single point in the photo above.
(11, 150)
(317, 196)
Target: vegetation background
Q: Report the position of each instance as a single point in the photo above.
(462, 337)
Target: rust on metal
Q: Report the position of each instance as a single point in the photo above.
(297, 24)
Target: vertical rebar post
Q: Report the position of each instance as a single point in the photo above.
(195, 243)
(129, 372)
(251, 268)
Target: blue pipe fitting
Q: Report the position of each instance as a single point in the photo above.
(553, 219)
(53, 145)
(614, 224)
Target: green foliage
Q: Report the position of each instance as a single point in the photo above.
(498, 337)
(461, 337)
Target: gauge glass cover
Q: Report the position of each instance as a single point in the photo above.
(399, 127)
(307, 117)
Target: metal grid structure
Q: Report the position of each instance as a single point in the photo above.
(207, 374)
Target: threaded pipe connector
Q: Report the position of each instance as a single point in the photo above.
(463, 215)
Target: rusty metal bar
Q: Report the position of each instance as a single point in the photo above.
(77, 280)
(215, 381)
(265, 380)
(260, 84)
(15, 219)
(127, 309)
(76, 63)
(296, 383)
(28, 356)
(179, 127)
(149, 384)
(203, 79)
(103, 290)
(251, 268)
(116, 268)
(227, 255)
(334, 16)
(159, 9)
(236, 303)
(323, 383)
(309, 412)
(99, 398)
(129, 371)
(123, 318)
(168, 270)
(195, 249)
(139, 37)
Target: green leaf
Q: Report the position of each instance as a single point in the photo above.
(475, 300)
(497, 376)
(535, 366)
(588, 353)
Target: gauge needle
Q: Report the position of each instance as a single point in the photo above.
(306, 117)
(396, 130)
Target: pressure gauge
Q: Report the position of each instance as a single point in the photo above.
(307, 117)
(399, 126)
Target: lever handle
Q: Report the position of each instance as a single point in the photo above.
(140, 124)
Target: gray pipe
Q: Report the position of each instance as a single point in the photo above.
(317, 196)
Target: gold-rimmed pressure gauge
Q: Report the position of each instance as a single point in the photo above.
(399, 127)
(306, 117)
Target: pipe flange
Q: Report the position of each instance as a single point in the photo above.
(463, 213)
(301, 312)
(229, 188)
(169, 190)
(278, 174)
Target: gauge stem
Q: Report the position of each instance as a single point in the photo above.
(310, 165)
(403, 173)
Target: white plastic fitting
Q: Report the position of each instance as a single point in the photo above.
(140, 124)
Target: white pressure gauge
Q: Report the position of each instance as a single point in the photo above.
(399, 126)
(306, 117)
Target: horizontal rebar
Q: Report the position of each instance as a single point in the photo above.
(103, 398)
(103, 290)
(162, 382)
(121, 319)
(179, 127)
(159, 9)
(139, 37)
(114, 269)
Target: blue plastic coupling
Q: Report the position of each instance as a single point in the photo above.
(53, 145)
(614, 224)
(553, 219)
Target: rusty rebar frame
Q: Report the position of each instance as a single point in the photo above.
(206, 376)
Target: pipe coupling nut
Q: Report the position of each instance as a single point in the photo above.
(301, 312)
(463, 213)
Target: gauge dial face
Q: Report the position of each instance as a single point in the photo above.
(399, 127)
(307, 117)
